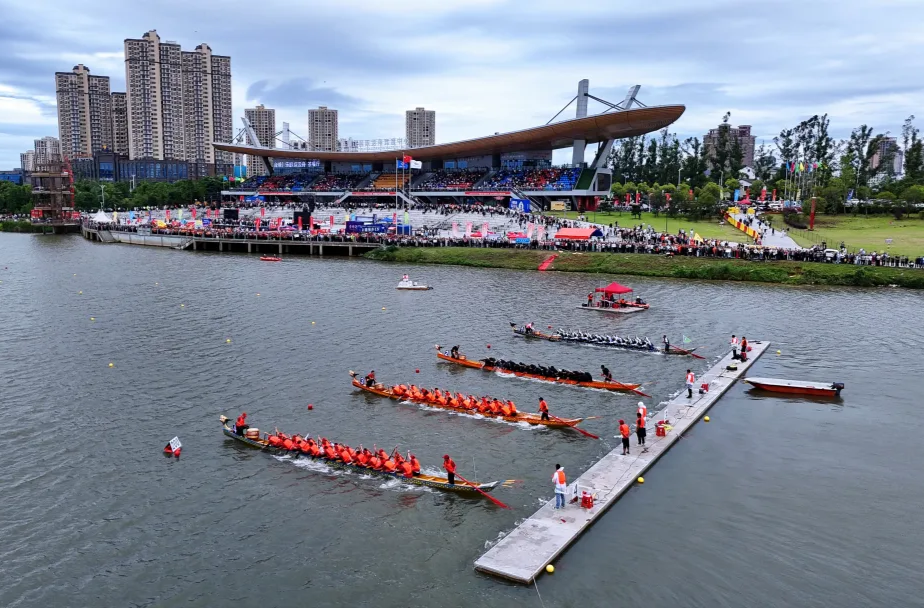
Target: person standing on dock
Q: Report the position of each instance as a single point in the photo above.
(543, 409)
(642, 409)
(691, 380)
(666, 342)
(450, 467)
(640, 431)
(744, 348)
(624, 435)
(734, 345)
(561, 484)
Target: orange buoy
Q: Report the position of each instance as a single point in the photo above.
(417, 371)
(489, 346)
(310, 407)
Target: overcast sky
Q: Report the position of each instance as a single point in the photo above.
(491, 65)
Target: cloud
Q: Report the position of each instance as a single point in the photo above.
(500, 65)
(299, 93)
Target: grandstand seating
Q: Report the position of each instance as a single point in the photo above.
(331, 182)
(389, 181)
(533, 179)
(451, 180)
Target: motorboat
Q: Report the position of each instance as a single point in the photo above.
(407, 284)
(797, 387)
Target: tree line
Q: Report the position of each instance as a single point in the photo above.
(830, 169)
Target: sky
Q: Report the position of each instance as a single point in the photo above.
(491, 66)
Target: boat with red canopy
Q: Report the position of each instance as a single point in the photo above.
(612, 299)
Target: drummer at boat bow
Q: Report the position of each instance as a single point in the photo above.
(529, 328)
(667, 343)
(454, 352)
(605, 372)
(241, 424)
(370, 379)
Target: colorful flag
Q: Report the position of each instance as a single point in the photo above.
(407, 159)
(258, 224)
(416, 164)
(400, 164)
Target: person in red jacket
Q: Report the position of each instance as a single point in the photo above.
(241, 425)
(543, 409)
(450, 467)
(624, 433)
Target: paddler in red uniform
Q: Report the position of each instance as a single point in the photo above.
(450, 467)
(415, 464)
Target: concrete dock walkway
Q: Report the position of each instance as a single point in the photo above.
(524, 553)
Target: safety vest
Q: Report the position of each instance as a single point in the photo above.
(543, 406)
(561, 478)
(624, 430)
(640, 422)
(691, 378)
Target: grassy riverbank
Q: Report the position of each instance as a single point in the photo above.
(788, 273)
(18, 226)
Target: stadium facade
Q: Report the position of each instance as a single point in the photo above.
(515, 165)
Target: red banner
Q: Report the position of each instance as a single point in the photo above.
(392, 193)
(638, 197)
(193, 212)
(299, 223)
(691, 194)
(486, 193)
(168, 215)
(332, 221)
(774, 194)
(394, 219)
(628, 198)
(763, 194)
(812, 216)
(36, 213)
(258, 224)
(262, 211)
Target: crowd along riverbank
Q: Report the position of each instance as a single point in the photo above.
(648, 265)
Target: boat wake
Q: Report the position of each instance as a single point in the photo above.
(321, 467)
(521, 425)
(541, 381)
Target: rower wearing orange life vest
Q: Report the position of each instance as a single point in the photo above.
(561, 483)
(415, 464)
(513, 408)
(624, 434)
(543, 409)
(241, 424)
(691, 380)
(450, 467)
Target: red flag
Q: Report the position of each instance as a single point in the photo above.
(299, 223)
(774, 194)
(812, 216)
(194, 212)
(262, 211)
(638, 197)
(394, 220)
(668, 195)
(691, 194)
(168, 215)
(332, 221)
(763, 194)
(628, 198)
(258, 224)
(407, 159)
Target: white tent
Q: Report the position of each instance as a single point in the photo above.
(101, 218)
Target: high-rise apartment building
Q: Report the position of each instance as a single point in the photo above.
(84, 112)
(178, 102)
(119, 124)
(742, 133)
(27, 161)
(888, 157)
(322, 129)
(420, 127)
(47, 150)
(263, 121)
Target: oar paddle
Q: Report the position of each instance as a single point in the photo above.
(575, 427)
(489, 497)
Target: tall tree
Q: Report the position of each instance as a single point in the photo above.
(694, 165)
(719, 152)
(765, 164)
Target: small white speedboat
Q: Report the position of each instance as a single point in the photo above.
(409, 285)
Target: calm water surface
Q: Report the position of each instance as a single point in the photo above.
(777, 502)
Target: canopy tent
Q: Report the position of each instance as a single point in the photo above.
(101, 217)
(614, 288)
(578, 234)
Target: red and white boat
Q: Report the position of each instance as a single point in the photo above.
(270, 258)
(797, 387)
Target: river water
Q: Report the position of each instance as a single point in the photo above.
(776, 502)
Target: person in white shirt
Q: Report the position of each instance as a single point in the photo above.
(561, 484)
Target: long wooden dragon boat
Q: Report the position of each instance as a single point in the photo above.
(534, 333)
(430, 481)
(610, 386)
(528, 417)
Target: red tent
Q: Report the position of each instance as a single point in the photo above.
(614, 288)
(578, 234)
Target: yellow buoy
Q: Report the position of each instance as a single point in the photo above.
(641, 480)
(79, 293)
(779, 353)
(312, 322)
(228, 340)
(258, 294)
(112, 365)
(93, 318)
(706, 419)
(182, 305)
(383, 308)
(157, 283)
(550, 569)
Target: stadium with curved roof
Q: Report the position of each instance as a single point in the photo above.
(516, 164)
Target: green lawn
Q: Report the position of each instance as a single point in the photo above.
(870, 233)
(708, 229)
